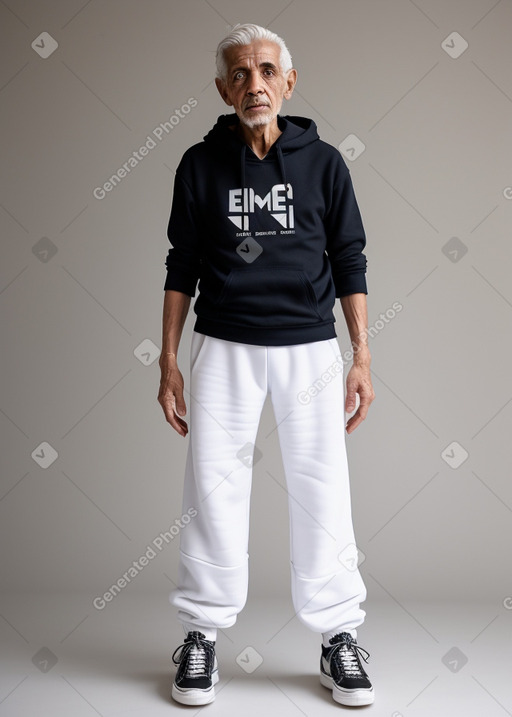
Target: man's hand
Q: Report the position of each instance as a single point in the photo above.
(358, 381)
(170, 395)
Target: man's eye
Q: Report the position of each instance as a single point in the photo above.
(269, 72)
(239, 75)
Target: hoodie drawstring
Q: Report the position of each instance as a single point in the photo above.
(280, 159)
(242, 167)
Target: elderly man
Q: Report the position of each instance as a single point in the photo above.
(264, 216)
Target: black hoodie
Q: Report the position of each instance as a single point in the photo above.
(272, 241)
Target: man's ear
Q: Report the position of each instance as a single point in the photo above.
(223, 91)
(291, 80)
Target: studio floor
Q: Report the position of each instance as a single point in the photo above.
(62, 657)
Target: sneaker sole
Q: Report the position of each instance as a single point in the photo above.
(349, 698)
(191, 696)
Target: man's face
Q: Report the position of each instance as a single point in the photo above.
(255, 85)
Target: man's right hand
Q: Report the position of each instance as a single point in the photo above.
(170, 395)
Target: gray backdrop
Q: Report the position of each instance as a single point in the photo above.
(82, 277)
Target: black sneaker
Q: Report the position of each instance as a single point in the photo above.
(342, 671)
(197, 671)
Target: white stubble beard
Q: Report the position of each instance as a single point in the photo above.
(261, 119)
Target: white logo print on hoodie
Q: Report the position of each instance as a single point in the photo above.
(242, 202)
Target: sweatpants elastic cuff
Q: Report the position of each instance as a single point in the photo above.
(209, 632)
(326, 636)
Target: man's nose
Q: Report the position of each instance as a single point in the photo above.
(254, 85)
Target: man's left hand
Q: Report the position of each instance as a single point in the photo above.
(358, 381)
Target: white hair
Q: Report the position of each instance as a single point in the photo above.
(244, 35)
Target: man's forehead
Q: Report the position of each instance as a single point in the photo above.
(258, 52)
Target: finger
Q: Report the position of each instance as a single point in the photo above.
(179, 425)
(181, 407)
(168, 406)
(366, 398)
(364, 405)
(350, 401)
(354, 422)
(178, 413)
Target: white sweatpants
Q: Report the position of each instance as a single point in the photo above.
(228, 386)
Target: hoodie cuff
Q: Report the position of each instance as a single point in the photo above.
(350, 284)
(179, 282)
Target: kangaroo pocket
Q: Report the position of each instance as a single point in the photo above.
(268, 296)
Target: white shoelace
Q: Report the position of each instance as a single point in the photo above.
(349, 661)
(196, 661)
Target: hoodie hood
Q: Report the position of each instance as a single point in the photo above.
(296, 133)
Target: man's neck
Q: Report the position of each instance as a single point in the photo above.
(259, 139)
